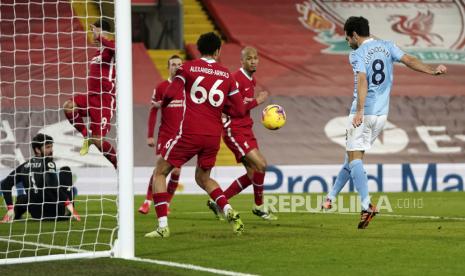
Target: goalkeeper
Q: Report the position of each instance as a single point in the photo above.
(41, 190)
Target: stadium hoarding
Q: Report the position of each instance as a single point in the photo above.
(419, 130)
(319, 178)
(291, 179)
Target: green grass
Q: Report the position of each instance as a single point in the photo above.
(297, 244)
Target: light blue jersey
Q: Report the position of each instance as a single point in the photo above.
(375, 58)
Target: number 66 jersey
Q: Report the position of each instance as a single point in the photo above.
(375, 58)
(207, 87)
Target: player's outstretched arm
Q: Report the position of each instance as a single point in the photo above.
(258, 100)
(417, 65)
(6, 186)
(10, 214)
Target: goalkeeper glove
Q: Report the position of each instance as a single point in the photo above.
(10, 214)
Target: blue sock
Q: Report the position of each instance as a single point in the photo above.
(341, 180)
(360, 179)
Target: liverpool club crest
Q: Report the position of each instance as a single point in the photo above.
(431, 30)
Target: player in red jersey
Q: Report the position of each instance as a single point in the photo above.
(239, 137)
(206, 86)
(171, 116)
(99, 102)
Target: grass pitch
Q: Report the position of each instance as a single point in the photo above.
(425, 239)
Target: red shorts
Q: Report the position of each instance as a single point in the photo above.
(177, 151)
(99, 108)
(162, 140)
(240, 141)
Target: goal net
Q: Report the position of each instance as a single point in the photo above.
(46, 51)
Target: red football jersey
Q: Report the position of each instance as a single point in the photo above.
(207, 87)
(246, 85)
(171, 115)
(101, 77)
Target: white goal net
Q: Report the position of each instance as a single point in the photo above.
(47, 49)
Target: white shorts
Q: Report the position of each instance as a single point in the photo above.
(362, 137)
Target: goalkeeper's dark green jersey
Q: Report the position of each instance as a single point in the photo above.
(37, 179)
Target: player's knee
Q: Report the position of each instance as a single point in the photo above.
(201, 177)
(250, 173)
(198, 178)
(176, 171)
(261, 165)
(163, 168)
(155, 172)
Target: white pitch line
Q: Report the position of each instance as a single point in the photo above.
(159, 262)
(64, 248)
(411, 216)
(192, 267)
(350, 213)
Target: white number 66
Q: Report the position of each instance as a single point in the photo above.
(204, 94)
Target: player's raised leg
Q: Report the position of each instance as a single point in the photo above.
(255, 164)
(101, 112)
(203, 179)
(74, 111)
(238, 185)
(105, 147)
(341, 180)
(160, 199)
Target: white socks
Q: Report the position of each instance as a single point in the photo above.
(163, 222)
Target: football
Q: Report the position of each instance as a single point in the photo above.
(273, 117)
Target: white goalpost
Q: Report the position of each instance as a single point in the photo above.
(45, 52)
(125, 244)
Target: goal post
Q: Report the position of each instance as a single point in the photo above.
(125, 242)
(45, 54)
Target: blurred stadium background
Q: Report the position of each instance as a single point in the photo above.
(303, 64)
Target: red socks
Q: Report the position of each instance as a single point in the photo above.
(160, 201)
(172, 185)
(218, 196)
(237, 186)
(258, 179)
(243, 182)
(109, 153)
